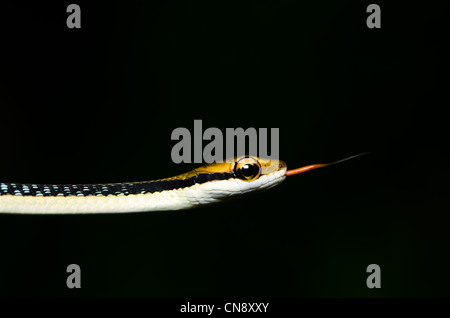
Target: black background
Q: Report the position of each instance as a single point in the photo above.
(98, 104)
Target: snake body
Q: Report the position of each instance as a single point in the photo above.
(206, 185)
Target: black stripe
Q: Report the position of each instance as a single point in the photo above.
(202, 178)
(107, 189)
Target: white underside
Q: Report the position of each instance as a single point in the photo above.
(186, 198)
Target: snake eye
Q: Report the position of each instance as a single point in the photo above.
(247, 169)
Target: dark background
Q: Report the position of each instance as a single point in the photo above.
(98, 104)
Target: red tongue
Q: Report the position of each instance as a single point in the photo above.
(312, 167)
(304, 169)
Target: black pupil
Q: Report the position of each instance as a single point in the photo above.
(249, 170)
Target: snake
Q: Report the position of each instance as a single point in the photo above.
(207, 185)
